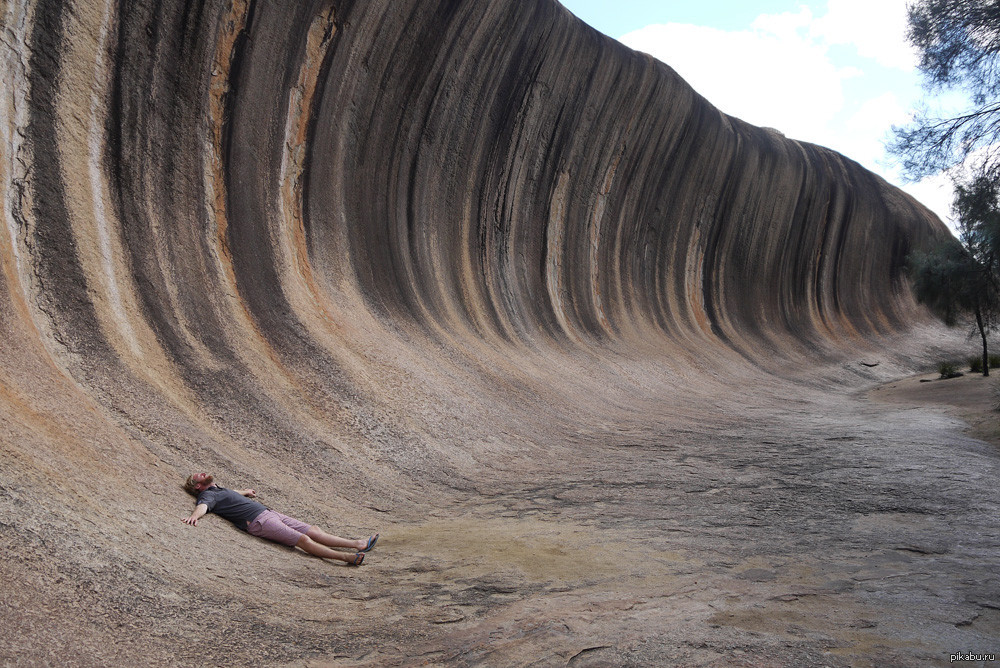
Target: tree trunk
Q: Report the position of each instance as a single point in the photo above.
(982, 333)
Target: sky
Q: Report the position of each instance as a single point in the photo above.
(838, 73)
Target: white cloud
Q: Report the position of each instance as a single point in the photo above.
(777, 79)
(785, 25)
(869, 123)
(875, 28)
(936, 193)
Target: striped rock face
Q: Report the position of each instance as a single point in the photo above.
(465, 272)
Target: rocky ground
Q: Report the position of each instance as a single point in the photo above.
(802, 527)
(856, 529)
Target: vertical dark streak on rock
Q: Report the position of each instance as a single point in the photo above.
(251, 170)
(231, 97)
(714, 264)
(62, 284)
(124, 154)
(313, 151)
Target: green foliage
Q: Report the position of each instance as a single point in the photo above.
(949, 369)
(976, 363)
(946, 279)
(957, 42)
(959, 46)
(963, 275)
(977, 207)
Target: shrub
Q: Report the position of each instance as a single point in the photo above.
(976, 364)
(949, 369)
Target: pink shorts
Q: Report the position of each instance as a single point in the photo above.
(277, 527)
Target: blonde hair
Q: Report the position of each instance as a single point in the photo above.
(189, 486)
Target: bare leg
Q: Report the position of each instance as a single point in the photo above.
(330, 540)
(317, 550)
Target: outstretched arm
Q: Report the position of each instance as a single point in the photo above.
(199, 511)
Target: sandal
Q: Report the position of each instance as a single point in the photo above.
(359, 559)
(370, 545)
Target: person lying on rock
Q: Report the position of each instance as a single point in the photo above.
(259, 520)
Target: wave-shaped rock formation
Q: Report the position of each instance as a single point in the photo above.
(394, 264)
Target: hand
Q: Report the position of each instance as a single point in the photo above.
(193, 521)
(249, 493)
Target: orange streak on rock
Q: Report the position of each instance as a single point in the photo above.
(299, 114)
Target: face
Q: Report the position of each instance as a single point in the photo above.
(202, 481)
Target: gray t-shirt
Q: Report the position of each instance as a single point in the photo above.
(231, 505)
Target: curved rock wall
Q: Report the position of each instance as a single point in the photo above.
(385, 244)
(201, 175)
